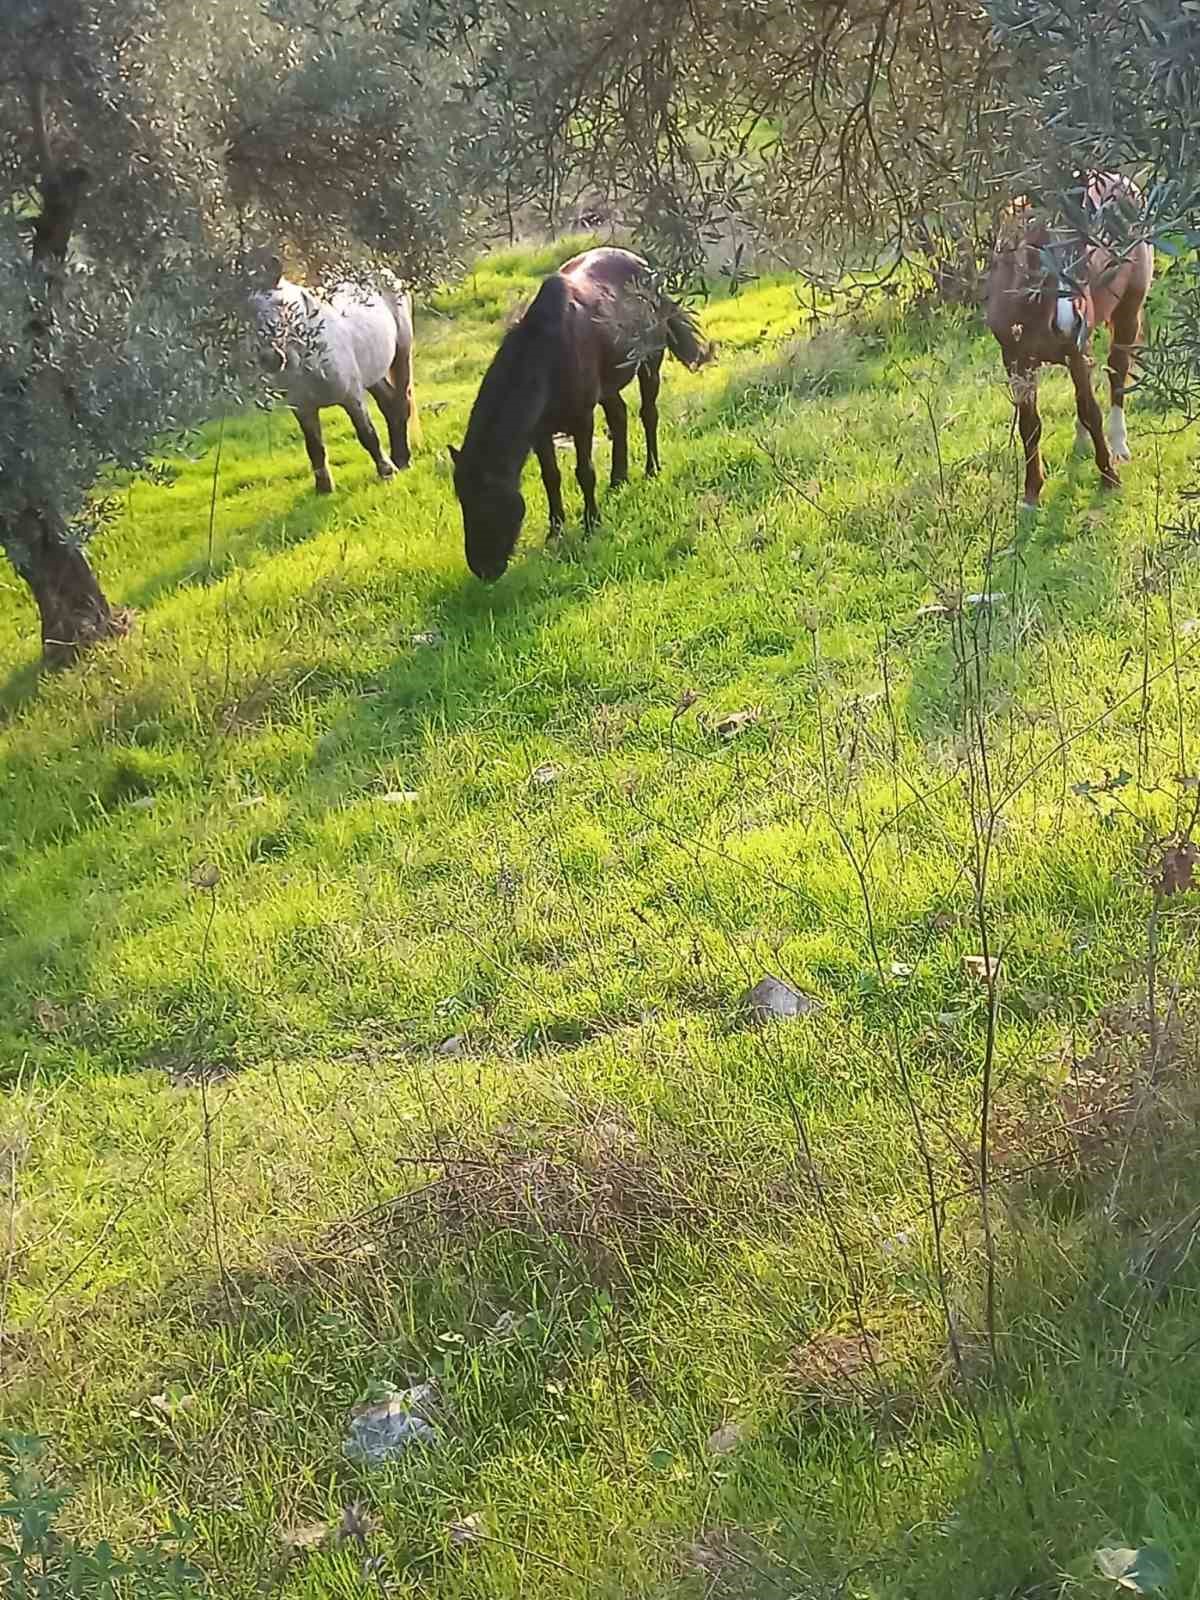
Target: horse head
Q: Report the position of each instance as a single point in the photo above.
(262, 268)
(1038, 295)
(271, 330)
(492, 512)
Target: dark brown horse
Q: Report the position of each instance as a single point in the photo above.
(595, 323)
(1047, 293)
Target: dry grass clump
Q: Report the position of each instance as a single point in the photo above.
(591, 1187)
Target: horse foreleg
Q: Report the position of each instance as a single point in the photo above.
(314, 443)
(552, 479)
(364, 428)
(1090, 417)
(1125, 335)
(1023, 381)
(649, 383)
(617, 417)
(395, 414)
(585, 472)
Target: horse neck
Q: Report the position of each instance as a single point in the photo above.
(512, 401)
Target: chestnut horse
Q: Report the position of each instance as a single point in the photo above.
(594, 324)
(1047, 293)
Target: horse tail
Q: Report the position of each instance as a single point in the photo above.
(684, 340)
(402, 367)
(415, 432)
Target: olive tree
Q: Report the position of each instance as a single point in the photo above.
(144, 146)
(828, 127)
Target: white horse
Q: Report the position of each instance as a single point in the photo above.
(334, 353)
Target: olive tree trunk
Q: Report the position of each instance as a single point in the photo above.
(74, 611)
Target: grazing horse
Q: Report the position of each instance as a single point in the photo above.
(334, 353)
(594, 324)
(1047, 293)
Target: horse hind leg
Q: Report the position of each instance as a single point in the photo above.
(364, 428)
(617, 417)
(314, 443)
(407, 423)
(649, 383)
(1090, 418)
(1023, 382)
(392, 406)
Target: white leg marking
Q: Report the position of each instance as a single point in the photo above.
(1064, 315)
(1118, 439)
(1083, 439)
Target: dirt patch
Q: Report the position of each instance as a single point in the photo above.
(188, 1069)
(848, 1372)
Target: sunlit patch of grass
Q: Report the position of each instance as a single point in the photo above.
(346, 878)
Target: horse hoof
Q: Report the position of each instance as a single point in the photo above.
(324, 485)
(386, 471)
(1030, 508)
(1122, 454)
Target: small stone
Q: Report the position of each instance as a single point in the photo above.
(307, 1536)
(725, 1439)
(773, 1000)
(732, 723)
(467, 1530)
(983, 969)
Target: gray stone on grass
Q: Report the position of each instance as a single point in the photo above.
(773, 1000)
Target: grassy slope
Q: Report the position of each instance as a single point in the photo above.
(589, 937)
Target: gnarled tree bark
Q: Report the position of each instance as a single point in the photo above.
(74, 611)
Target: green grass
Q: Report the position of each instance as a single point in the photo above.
(441, 810)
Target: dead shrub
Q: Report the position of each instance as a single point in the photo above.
(835, 1370)
(591, 1186)
(1072, 1130)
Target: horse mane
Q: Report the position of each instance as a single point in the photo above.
(513, 391)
